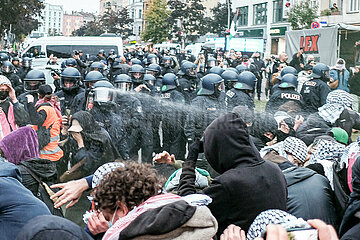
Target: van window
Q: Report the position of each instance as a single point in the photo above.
(34, 51)
(65, 51)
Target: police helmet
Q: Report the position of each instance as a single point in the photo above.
(97, 66)
(152, 58)
(230, 78)
(93, 77)
(101, 51)
(150, 79)
(154, 69)
(321, 71)
(33, 80)
(112, 52)
(123, 82)
(210, 84)
(241, 68)
(137, 73)
(70, 78)
(4, 57)
(169, 82)
(26, 62)
(103, 92)
(135, 61)
(116, 64)
(216, 70)
(167, 61)
(288, 81)
(70, 62)
(233, 69)
(188, 68)
(287, 70)
(7, 67)
(246, 81)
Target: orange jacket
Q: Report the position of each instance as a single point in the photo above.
(52, 151)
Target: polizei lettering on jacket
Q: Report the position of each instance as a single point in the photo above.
(290, 96)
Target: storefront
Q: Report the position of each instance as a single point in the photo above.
(277, 36)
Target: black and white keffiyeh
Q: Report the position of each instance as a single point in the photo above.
(103, 170)
(273, 216)
(336, 102)
(296, 147)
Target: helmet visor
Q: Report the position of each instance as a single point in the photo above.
(32, 86)
(6, 69)
(103, 95)
(123, 86)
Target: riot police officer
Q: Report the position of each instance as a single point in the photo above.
(188, 81)
(287, 92)
(284, 71)
(216, 70)
(118, 68)
(70, 87)
(25, 67)
(230, 78)
(206, 107)
(167, 63)
(155, 70)
(8, 70)
(103, 112)
(315, 90)
(32, 82)
(173, 117)
(240, 94)
(81, 101)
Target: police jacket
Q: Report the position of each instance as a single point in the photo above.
(66, 99)
(306, 186)
(314, 93)
(282, 96)
(130, 110)
(173, 109)
(236, 97)
(78, 103)
(113, 124)
(204, 109)
(23, 100)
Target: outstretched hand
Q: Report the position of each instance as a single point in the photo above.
(164, 157)
(70, 192)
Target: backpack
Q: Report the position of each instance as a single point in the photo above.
(43, 194)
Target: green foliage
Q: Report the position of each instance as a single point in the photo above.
(111, 22)
(187, 19)
(219, 20)
(302, 15)
(21, 15)
(156, 18)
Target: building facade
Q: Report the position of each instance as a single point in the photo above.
(71, 23)
(136, 12)
(348, 12)
(51, 21)
(113, 5)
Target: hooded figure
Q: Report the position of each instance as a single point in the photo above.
(263, 130)
(26, 156)
(98, 148)
(17, 204)
(52, 227)
(247, 185)
(350, 223)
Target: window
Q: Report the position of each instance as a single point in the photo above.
(243, 16)
(139, 30)
(34, 51)
(140, 14)
(65, 51)
(260, 16)
(278, 11)
(354, 5)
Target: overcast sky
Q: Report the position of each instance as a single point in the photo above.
(77, 5)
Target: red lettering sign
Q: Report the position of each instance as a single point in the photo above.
(310, 43)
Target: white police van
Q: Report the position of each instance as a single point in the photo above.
(63, 47)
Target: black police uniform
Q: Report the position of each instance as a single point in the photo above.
(237, 97)
(173, 118)
(15, 82)
(314, 93)
(23, 100)
(66, 99)
(282, 96)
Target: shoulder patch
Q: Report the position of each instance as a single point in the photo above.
(230, 94)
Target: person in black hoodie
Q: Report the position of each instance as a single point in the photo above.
(247, 185)
(309, 194)
(263, 130)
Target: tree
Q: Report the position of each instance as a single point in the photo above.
(117, 22)
(302, 15)
(218, 23)
(21, 14)
(92, 28)
(187, 19)
(157, 27)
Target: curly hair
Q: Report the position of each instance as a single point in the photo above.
(132, 185)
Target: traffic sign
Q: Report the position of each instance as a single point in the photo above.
(315, 25)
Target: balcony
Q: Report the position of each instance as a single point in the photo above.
(328, 12)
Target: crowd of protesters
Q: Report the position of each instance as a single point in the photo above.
(213, 166)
